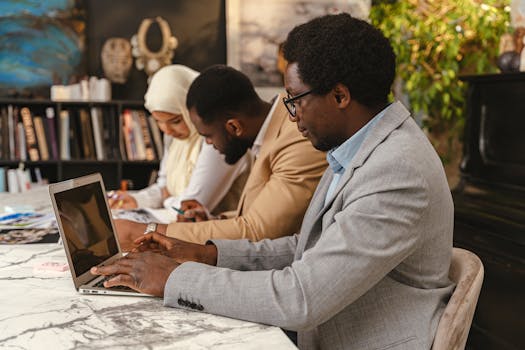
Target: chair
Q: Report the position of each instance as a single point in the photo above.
(466, 270)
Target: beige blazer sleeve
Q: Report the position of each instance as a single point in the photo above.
(277, 192)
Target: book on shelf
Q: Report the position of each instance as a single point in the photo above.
(129, 135)
(137, 136)
(96, 121)
(74, 135)
(30, 135)
(65, 153)
(157, 137)
(12, 181)
(4, 134)
(112, 134)
(12, 129)
(146, 135)
(124, 137)
(3, 179)
(41, 137)
(120, 132)
(51, 134)
(21, 150)
(86, 133)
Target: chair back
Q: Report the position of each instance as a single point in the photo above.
(466, 270)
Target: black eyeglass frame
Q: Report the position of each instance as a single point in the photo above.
(289, 102)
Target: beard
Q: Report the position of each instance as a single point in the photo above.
(235, 149)
(320, 143)
(322, 146)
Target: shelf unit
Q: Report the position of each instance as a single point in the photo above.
(113, 170)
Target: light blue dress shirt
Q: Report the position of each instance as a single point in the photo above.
(340, 157)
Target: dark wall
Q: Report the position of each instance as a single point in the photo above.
(199, 26)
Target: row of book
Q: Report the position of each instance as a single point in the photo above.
(78, 133)
(15, 180)
(142, 137)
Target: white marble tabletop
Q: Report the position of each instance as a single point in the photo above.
(41, 310)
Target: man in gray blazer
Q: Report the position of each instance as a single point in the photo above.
(369, 268)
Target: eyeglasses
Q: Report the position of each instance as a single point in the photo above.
(289, 102)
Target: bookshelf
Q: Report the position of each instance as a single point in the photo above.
(71, 139)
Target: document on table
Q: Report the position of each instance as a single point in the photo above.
(24, 220)
(146, 215)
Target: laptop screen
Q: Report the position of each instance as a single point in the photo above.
(86, 225)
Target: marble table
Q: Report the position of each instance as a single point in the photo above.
(41, 310)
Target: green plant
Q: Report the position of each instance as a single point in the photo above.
(435, 41)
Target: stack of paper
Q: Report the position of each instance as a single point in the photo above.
(23, 220)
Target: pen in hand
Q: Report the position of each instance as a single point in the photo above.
(181, 212)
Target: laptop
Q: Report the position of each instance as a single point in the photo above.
(87, 231)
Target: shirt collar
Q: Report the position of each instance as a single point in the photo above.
(257, 144)
(340, 157)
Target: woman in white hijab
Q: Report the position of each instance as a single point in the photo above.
(190, 170)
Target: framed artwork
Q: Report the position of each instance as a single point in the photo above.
(41, 43)
(255, 29)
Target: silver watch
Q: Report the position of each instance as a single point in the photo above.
(152, 227)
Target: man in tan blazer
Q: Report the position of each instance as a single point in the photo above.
(227, 111)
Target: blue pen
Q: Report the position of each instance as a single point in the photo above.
(181, 212)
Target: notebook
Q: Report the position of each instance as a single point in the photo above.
(87, 232)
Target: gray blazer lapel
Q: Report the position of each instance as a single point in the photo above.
(395, 115)
(316, 205)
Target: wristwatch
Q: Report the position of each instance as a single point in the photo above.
(152, 227)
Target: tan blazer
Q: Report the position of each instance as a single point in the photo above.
(277, 192)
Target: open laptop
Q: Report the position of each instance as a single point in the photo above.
(87, 231)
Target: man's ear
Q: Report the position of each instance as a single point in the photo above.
(234, 127)
(341, 95)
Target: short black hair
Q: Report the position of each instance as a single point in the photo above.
(221, 90)
(342, 49)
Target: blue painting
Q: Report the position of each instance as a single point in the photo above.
(41, 43)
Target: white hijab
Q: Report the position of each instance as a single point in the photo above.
(167, 93)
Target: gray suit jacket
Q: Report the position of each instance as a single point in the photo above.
(369, 270)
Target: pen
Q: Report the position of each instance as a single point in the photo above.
(181, 212)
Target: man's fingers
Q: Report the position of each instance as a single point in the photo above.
(144, 239)
(121, 280)
(105, 270)
(144, 247)
(155, 238)
(120, 266)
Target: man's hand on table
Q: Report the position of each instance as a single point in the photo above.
(149, 265)
(146, 272)
(193, 212)
(178, 250)
(128, 231)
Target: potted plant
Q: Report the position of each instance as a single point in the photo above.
(435, 41)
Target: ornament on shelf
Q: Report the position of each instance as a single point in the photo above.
(149, 61)
(116, 59)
